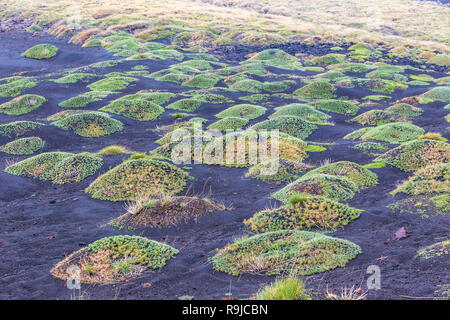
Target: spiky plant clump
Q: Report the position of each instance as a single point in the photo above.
(427, 180)
(14, 86)
(288, 288)
(189, 104)
(41, 51)
(22, 104)
(310, 213)
(334, 187)
(135, 106)
(83, 99)
(404, 110)
(338, 106)
(90, 124)
(133, 177)
(302, 111)
(394, 133)
(113, 150)
(246, 111)
(299, 252)
(356, 173)
(231, 123)
(116, 258)
(317, 90)
(294, 126)
(18, 128)
(23, 146)
(417, 154)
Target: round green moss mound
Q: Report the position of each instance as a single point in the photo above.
(371, 148)
(375, 117)
(136, 107)
(404, 110)
(426, 206)
(74, 77)
(331, 58)
(337, 188)
(58, 167)
(299, 252)
(305, 213)
(83, 99)
(246, 111)
(436, 94)
(41, 51)
(90, 124)
(189, 104)
(356, 173)
(338, 106)
(203, 81)
(111, 84)
(317, 90)
(116, 258)
(427, 180)
(293, 126)
(16, 85)
(275, 58)
(440, 59)
(287, 170)
(132, 178)
(231, 123)
(417, 154)
(23, 146)
(22, 104)
(300, 110)
(394, 133)
(18, 128)
(247, 85)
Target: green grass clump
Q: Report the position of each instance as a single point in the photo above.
(371, 148)
(424, 205)
(334, 187)
(354, 172)
(337, 106)
(310, 213)
(288, 288)
(209, 97)
(317, 90)
(436, 94)
(294, 126)
(111, 84)
(231, 123)
(113, 150)
(427, 180)
(302, 111)
(41, 51)
(22, 104)
(275, 86)
(90, 124)
(18, 128)
(247, 85)
(83, 99)
(58, 167)
(276, 58)
(287, 170)
(375, 117)
(331, 58)
(134, 106)
(440, 59)
(290, 251)
(404, 110)
(246, 111)
(435, 250)
(417, 154)
(15, 86)
(203, 81)
(129, 179)
(117, 258)
(394, 133)
(258, 97)
(74, 77)
(189, 104)
(23, 146)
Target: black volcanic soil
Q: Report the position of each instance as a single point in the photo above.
(41, 223)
